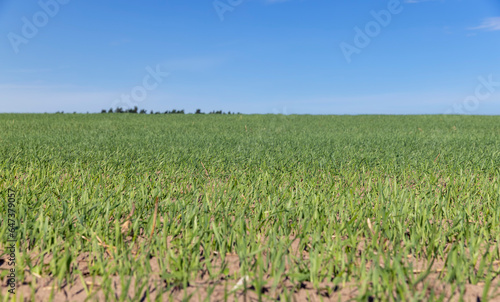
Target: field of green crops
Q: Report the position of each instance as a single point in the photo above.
(251, 207)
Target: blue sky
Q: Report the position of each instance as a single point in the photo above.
(251, 56)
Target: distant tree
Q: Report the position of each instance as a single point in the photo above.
(133, 110)
(119, 110)
(143, 111)
(198, 111)
(103, 111)
(110, 110)
(181, 111)
(157, 112)
(151, 112)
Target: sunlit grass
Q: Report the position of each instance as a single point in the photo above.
(394, 207)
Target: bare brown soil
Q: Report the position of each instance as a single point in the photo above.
(225, 288)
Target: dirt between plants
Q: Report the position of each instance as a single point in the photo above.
(227, 288)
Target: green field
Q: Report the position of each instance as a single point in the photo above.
(297, 207)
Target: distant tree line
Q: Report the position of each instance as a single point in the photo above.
(173, 111)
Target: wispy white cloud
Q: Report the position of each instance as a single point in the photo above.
(489, 24)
